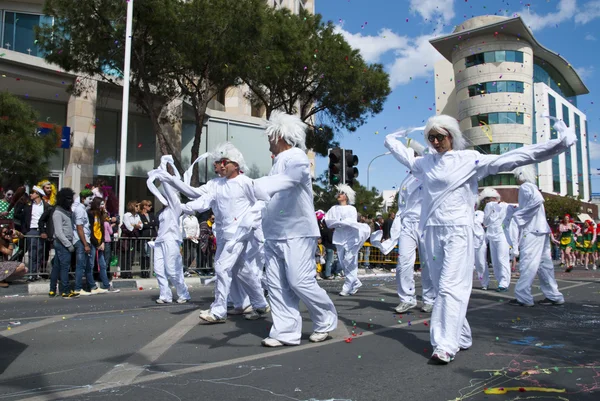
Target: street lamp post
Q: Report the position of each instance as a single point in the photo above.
(369, 166)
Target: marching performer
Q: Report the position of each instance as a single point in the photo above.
(494, 219)
(568, 231)
(450, 176)
(480, 245)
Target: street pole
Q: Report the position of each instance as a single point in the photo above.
(369, 166)
(343, 166)
(125, 110)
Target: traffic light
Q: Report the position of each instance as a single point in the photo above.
(335, 166)
(351, 171)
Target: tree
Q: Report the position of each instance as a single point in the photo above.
(300, 65)
(24, 152)
(557, 206)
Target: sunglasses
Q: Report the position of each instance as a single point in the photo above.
(439, 137)
(225, 162)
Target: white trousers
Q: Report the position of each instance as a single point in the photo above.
(536, 257)
(168, 267)
(499, 251)
(254, 258)
(291, 279)
(409, 242)
(349, 264)
(450, 259)
(481, 266)
(229, 262)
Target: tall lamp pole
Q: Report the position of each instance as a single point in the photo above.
(125, 109)
(369, 166)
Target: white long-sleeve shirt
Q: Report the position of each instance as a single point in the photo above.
(191, 227)
(290, 213)
(342, 235)
(494, 219)
(131, 220)
(409, 199)
(531, 215)
(451, 177)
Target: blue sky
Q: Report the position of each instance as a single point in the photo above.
(396, 34)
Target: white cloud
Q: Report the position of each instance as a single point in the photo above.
(373, 47)
(566, 10)
(589, 12)
(594, 152)
(585, 72)
(589, 36)
(414, 61)
(433, 8)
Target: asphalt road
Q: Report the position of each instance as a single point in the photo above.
(124, 346)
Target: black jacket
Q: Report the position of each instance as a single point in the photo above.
(326, 236)
(148, 225)
(26, 224)
(45, 225)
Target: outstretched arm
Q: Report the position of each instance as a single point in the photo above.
(402, 153)
(295, 172)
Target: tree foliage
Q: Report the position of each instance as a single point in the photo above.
(301, 65)
(557, 206)
(24, 152)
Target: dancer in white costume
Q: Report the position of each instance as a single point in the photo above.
(450, 176)
(168, 265)
(291, 234)
(494, 221)
(480, 245)
(405, 232)
(535, 251)
(348, 236)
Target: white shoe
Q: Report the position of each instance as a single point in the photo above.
(344, 294)
(209, 317)
(271, 342)
(404, 306)
(113, 290)
(84, 293)
(257, 313)
(442, 357)
(99, 290)
(318, 337)
(182, 300)
(162, 301)
(427, 308)
(355, 290)
(240, 311)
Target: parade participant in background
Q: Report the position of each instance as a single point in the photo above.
(168, 265)
(50, 191)
(291, 233)
(567, 232)
(405, 232)
(348, 236)
(480, 245)
(588, 240)
(535, 253)
(450, 176)
(493, 219)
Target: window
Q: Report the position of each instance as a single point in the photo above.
(518, 57)
(498, 179)
(554, 135)
(497, 148)
(475, 59)
(510, 55)
(493, 87)
(493, 57)
(580, 173)
(501, 86)
(511, 86)
(19, 31)
(489, 57)
(565, 115)
(547, 74)
(519, 87)
(505, 117)
(500, 56)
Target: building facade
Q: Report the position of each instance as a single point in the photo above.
(94, 115)
(500, 83)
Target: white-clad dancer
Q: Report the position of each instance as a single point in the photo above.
(480, 245)
(450, 176)
(168, 264)
(535, 251)
(291, 233)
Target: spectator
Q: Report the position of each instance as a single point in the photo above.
(130, 230)
(367, 246)
(190, 235)
(387, 225)
(9, 270)
(5, 204)
(82, 233)
(110, 228)
(206, 242)
(62, 221)
(327, 241)
(96, 217)
(32, 214)
(320, 258)
(49, 191)
(46, 228)
(148, 231)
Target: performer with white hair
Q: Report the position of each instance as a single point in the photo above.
(168, 265)
(405, 232)
(348, 236)
(291, 233)
(494, 220)
(450, 176)
(480, 245)
(535, 251)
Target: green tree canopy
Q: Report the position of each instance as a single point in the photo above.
(557, 206)
(24, 151)
(301, 65)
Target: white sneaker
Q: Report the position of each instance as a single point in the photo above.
(404, 306)
(162, 301)
(240, 311)
(355, 290)
(318, 337)
(271, 342)
(99, 290)
(427, 308)
(257, 313)
(344, 294)
(209, 317)
(441, 357)
(84, 293)
(182, 300)
(113, 290)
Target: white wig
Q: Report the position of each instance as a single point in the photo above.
(525, 174)
(227, 150)
(346, 189)
(487, 192)
(288, 127)
(418, 147)
(443, 124)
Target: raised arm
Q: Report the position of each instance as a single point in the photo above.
(295, 172)
(401, 152)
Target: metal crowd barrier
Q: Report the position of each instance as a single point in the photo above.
(370, 256)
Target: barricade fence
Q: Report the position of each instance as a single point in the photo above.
(129, 257)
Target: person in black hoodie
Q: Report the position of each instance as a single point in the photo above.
(327, 242)
(149, 225)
